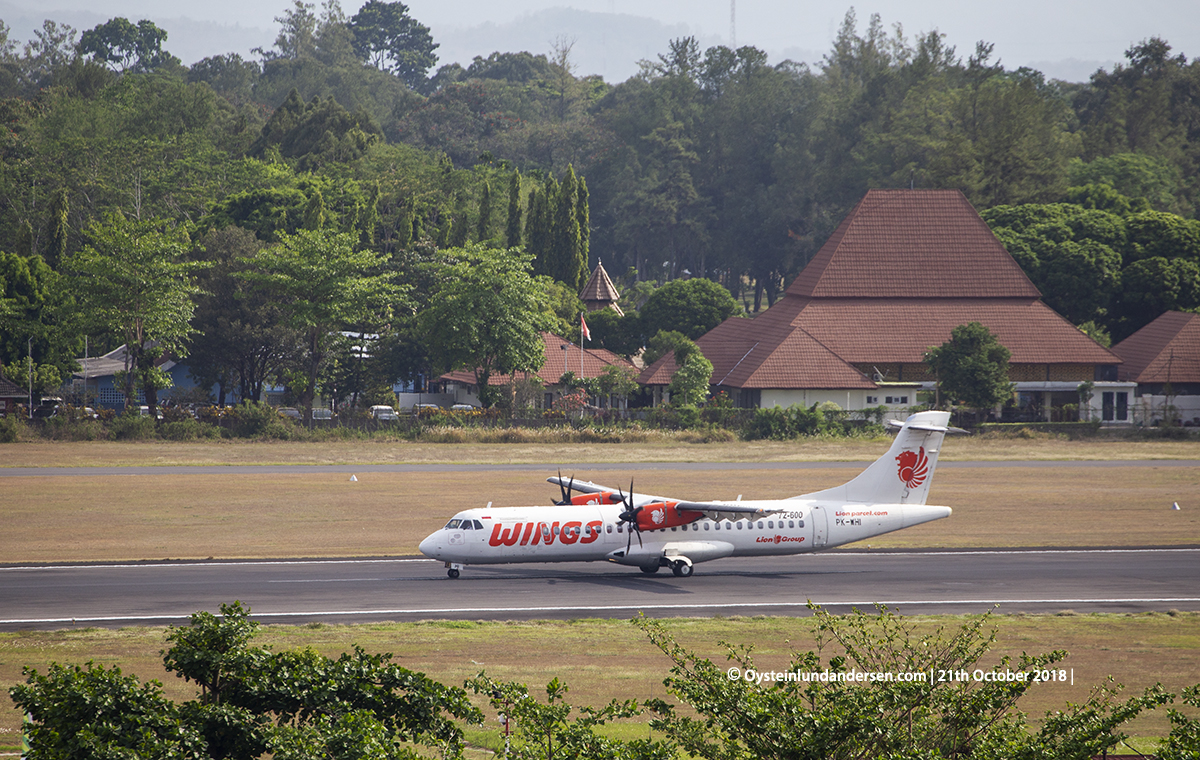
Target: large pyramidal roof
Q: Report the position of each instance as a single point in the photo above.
(902, 270)
(913, 244)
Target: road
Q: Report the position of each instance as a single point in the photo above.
(349, 591)
(349, 469)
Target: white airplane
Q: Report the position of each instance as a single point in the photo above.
(601, 523)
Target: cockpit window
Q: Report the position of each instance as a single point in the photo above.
(478, 525)
(467, 525)
(453, 524)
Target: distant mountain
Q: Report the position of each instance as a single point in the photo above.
(608, 44)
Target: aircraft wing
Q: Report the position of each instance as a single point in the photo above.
(716, 510)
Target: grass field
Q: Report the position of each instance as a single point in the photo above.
(197, 516)
(611, 659)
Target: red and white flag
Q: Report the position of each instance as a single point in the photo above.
(583, 328)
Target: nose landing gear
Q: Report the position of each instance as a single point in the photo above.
(453, 569)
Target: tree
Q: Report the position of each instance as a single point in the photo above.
(242, 340)
(253, 701)
(123, 46)
(837, 708)
(486, 315)
(388, 38)
(512, 229)
(549, 730)
(297, 32)
(971, 367)
(93, 711)
(689, 384)
(322, 282)
(133, 280)
(692, 307)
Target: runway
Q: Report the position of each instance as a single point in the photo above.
(376, 589)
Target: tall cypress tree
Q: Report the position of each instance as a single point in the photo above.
(55, 250)
(585, 230)
(537, 231)
(484, 224)
(314, 212)
(565, 235)
(369, 220)
(513, 230)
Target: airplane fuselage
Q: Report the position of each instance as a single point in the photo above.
(594, 523)
(593, 532)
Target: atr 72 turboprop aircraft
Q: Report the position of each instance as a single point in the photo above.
(601, 523)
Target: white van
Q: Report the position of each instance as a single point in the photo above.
(384, 413)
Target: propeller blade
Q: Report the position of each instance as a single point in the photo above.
(561, 490)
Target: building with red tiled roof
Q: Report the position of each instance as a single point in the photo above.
(1163, 358)
(562, 356)
(11, 396)
(901, 271)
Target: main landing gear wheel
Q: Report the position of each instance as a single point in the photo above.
(453, 573)
(681, 569)
(649, 569)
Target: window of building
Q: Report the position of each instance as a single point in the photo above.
(1123, 406)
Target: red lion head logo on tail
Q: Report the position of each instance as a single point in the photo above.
(914, 467)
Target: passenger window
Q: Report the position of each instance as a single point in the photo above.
(738, 524)
(771, 524)
(801, 524)
(706, 526)
(673, 529)
(791, 523)
(609, 528)
(545, 529)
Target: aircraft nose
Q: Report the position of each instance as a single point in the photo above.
(430, 546)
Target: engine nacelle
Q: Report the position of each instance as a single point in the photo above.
(665, 514)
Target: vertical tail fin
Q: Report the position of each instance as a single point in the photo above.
(903, 474)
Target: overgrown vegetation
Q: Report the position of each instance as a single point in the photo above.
(838, 700)
(715, 165)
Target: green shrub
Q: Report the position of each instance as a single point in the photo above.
(252, 419)
(132, 426)
(10, 428)
(188, 430)
(778, 424)
(67, 429)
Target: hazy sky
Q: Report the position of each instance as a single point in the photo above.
(1065, 38)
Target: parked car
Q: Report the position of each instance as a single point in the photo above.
(290, 413)
(418, 408)
(44, 411)
(384, 413)
(322, 414)
(464, 408)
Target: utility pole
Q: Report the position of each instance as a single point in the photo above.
(733, 24)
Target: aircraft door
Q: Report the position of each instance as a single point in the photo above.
(820, 522)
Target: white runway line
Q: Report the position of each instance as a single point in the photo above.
(613, 608)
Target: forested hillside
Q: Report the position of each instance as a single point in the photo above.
(709, 164)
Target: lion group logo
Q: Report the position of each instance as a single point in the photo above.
(914, 467)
